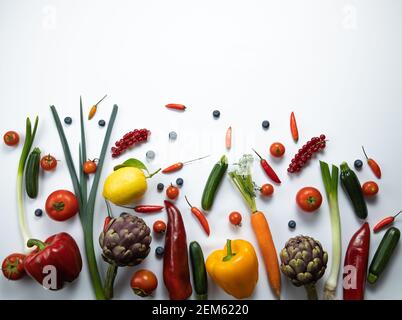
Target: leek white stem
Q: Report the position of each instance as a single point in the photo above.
(22, 221)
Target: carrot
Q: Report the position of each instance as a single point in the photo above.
(229, 138)
(267, 249)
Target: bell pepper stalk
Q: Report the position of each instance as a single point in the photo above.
(331, 187)
(59, 251)
(29, 139)
(86, 202)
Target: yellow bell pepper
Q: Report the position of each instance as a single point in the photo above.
(235, 268)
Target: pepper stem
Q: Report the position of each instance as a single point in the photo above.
(311, 291)
(397, 214)
(109, 281)
(34, 242)
(188, 202)
(257, 154)
(229, 251)
(365, 154)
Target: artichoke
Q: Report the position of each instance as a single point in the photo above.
(304, 262)
(125, 242)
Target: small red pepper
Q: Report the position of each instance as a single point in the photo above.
(356, 262)
(268, 169)
(293, 127)
(373, 165)
(106, 223)
(179, 165)
(176, 106)
(176, 271)
(200, 216)
(148, 209)
(59, 251)
(385, 222)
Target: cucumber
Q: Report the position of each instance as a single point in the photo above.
(32, 174)
(199, 271)
(213, 182)
(383, 254)
(353, 188)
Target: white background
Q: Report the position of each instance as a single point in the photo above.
(335, 63)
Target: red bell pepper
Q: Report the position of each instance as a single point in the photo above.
(176, 271)
(59, 251)
(356, 263)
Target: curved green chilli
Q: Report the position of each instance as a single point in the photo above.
(383, 254)
(32, 174)
(199, 271)
(353, 188)
(213, 182)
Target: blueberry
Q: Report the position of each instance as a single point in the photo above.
(160, 187)
(358, 164)
(102, 123)
(172, 135)
(216, 114)
(292, 224)
(150, 155)
(179, 182)
(38, 212)
(159, 251)
(68, 120)
(265, 124)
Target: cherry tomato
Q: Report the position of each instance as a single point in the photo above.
(48, 163)
(62, 205)
(172, 192)
(159, 226)
(235, 218)
(309, 199)
(277, 150)
(11, 138)
(370, 188)
(267, 190)
(90, 166)
(144, 283)
(13, 266)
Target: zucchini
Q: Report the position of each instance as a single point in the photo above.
(213, 182)
(383, 254)
(199, 271)
(353, 188)
(32, 174)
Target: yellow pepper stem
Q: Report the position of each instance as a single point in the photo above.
(229, 251)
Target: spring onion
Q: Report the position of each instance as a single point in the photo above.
(331, 188)
(87, 204)
(29, 139)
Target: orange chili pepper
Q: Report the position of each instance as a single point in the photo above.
(94, 108)
(293, 127)
(179, 165)
(200, 216)
(373, 165)
(176, 106)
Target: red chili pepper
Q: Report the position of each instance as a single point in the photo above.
(385, 222)
(200, 216)
(59, 251)
(106, 223)
(293, 127)
(176, 271)
(373, 165)
(148, 209)
(179, 165)
(176, 106)
(268, 169)
(356, 262)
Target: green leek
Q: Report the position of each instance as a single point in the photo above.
(331, 188)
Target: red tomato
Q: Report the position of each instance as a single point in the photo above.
(144, 282)
(370, 188)
(159, 226)
(11, 138)
(235, 218)
(62, 205)
(309, 199)
(277, 150)
(90, 167)
(267, 190)
(172, 192)
(13, 266)
(48, 163)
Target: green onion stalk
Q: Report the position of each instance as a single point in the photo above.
(86, 202)
(29, 139)
(331, 188)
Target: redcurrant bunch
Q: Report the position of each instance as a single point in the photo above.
(129, 140)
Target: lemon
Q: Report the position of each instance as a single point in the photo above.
(125, 185)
